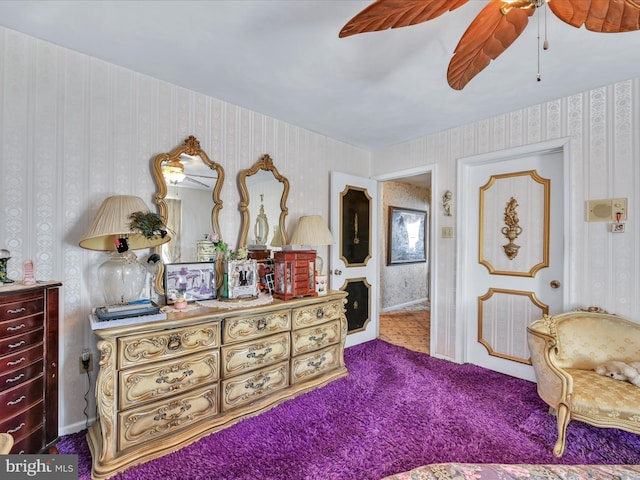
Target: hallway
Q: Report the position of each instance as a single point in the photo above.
(409, 328)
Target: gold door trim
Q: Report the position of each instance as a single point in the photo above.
(546, 183)
(355, 234)
(532, 297)
(353, 305)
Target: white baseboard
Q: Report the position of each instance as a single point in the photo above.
(75, 427)
(402, 306)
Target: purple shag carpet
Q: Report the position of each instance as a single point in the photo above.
(395, 411)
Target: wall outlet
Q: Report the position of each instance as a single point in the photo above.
(81, 363)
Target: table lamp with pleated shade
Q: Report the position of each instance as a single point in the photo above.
(122, 276)
(312, 231)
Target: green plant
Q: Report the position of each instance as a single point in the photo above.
(239, 254)
(149, 224)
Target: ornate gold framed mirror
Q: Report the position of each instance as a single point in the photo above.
(187, 180)
(263, 199)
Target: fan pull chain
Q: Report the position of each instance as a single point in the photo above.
(545, 44)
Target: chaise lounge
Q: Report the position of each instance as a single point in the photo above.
(565, 350)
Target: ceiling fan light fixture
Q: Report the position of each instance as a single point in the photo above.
(173, 171)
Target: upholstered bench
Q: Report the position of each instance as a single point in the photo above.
(565, 350)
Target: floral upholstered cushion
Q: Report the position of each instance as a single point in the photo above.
(493, 471)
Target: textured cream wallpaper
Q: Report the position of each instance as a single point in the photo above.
(603, 126)
(402, 284)
(76, 130)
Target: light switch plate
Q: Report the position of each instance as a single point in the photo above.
(447, 232)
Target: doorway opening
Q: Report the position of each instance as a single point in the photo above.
(405, 293)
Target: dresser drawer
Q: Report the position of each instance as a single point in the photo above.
(19, 343)
(315, 338)
(316, 314)
(22, 424)
(162, 379)
(32, 443)
(16, 326)
(313, 364)
(20, 375)
(167, 344)
(20, 397)
(163, 419)
(20, 358)
(21, 306)
(243, 357)
(250, 387)
(239, 329)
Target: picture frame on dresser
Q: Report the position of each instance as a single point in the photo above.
(193, 281)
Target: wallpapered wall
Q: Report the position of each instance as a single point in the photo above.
(76, 130)
(603, 126)
(405, 283)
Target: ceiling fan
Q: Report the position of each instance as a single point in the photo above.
(173, 172)
(496, 27)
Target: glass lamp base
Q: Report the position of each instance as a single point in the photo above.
(122, 278)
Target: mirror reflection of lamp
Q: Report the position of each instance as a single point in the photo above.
(122, 277)
(312, 231)
(173, 171)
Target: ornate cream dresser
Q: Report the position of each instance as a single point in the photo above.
(164, 384)
(29, 365)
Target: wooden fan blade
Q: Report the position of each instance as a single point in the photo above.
(490, 34)
(606, 16)
(384, 14)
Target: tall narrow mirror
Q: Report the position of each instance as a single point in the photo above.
(263, 202)
(188, 197)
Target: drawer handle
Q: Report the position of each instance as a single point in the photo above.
(16, 362)
(174, 342)
(260, 356)
(14, 379)
(259, 385)
(16, 345)
(14, 430)
(164, 378)
(172, 417)
(319, 312)
(317, 364)
(15, 402)
(16, 310)
(262, 324)
(313, 338)
(19, 327)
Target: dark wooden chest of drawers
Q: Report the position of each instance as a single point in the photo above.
(29, 365)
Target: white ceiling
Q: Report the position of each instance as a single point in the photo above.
(284, 59)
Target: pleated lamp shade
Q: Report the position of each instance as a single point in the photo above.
(112, 222)
(312, 230)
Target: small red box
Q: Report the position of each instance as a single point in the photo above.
(295, 272)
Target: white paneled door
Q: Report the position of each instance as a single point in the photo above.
(512, 268)
(354, 268)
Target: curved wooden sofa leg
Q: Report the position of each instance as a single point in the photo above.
(562, 413)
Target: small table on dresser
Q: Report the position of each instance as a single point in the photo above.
(165, 384)
(29, 365)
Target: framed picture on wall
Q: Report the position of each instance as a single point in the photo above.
(406, 236)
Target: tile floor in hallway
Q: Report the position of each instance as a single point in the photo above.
(407, 328)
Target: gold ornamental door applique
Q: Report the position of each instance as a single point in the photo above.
(501, 215)
(355, 221)
(503, 316)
